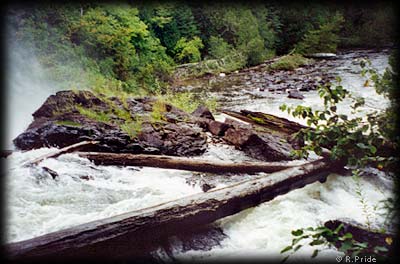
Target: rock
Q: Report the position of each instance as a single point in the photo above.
(200, 238)
(362, 233)
(259, 145)
(295, 94)
(59, 123)
(217, 128)
(303, 88)
(204, 112)
(206, 187)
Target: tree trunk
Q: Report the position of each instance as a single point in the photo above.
(59, 152)
(134, 233)
(181, 163)
(272, 122)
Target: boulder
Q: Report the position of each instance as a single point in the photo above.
(60, 122)
(258, 144)
(295, 94)
(204, 112)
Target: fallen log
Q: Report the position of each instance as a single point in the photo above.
(272, 122)
(182, 163)
(59, 152)
(134, 233)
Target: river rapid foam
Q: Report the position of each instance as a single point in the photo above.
(36, 204)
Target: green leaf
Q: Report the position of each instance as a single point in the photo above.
(286, 249)
(372, 149)
(382, 249)
(347, 236)
(346, 246)
(338, 228)
(284, 259)
(297, 232)
(361, 245)
(297, 248)
(315, 253)
(317, 242)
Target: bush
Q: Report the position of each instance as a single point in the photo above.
(289, 62)
(324, 39)
(219, 48)
(188, 50)
(188, 101)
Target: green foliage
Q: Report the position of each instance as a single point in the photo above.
(353, 141)
(132, 127)
(188, 101)
(324, 237)
(188, 50)
(350, 139)
(120, 42)
(219, 48)
(323, 39)
(68, 123)
(169, 22)
(99, 116)
(368, 25)
(157, 111)
(289, 62)
(232, 24)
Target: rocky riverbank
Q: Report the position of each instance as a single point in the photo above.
(130, 126)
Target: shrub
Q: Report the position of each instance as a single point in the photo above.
(219, 48)
(289, 62)
(92, 114)
(323, 39)
(132, 128)
(188, 50)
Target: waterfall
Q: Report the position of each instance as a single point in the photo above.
(27, 86)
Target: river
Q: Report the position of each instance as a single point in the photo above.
(36, 204)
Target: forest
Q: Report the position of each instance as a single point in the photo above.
(135, 46)
(172, 131)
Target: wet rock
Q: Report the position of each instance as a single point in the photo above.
(217, 128)
(204, 112)
(295, 94)
(59, 123)
(206, 187)
(260, 145)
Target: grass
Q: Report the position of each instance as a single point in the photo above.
(132, 128)
(187, 101)
(94, 115)
(68, 123)
(158, 110)
(289, 62)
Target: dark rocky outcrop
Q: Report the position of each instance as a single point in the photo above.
(60, 122)
(204, 112)
(134, 126)
(258, 144)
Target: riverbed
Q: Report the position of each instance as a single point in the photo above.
(37, 204)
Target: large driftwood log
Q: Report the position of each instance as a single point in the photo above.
(272, 122)
(181, 163)
(134, 233)
(59, 152)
